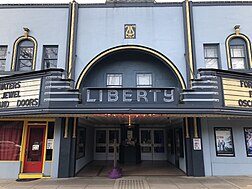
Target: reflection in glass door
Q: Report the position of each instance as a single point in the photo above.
(104, 143)
(152, 144)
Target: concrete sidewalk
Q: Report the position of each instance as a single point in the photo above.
(134, 182)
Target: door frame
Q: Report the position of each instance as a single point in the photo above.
(106, 155)
(27, 147)
(153, 156)
(25, 140)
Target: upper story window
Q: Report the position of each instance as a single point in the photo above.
(25, 56)
(238, 58)
(50, 57)
(3, 53)
(114, 80)
(211, 55)
(238, 52)
(144, 80)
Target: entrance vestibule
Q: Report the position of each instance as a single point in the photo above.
(148, 138)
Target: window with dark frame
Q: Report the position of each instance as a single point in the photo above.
(25, 55)
(81, 142)
(50, 56)
(3, 53)
(114, 80)
(211, 55)
(237, 53)
(144, 80)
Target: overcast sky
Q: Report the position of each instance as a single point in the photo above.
(81, 1)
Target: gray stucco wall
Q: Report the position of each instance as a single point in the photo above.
(89, 153)
(213, 24)
(216, 165)
(9, 170)
(47, 168)
(159, 28)
(47, 25)
(131, 65)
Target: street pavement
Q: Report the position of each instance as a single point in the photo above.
(133, 182)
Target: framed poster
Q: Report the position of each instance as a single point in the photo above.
(224, 141)
(196, 143)
(248, 141)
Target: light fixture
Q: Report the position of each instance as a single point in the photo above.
(129, 125)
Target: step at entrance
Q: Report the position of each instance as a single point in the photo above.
(30, 175)
(131, 184)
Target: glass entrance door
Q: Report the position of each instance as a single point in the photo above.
(104, 143)
(152, 144)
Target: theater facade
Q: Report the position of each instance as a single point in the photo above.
(136, 81)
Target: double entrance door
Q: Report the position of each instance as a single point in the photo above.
(152, 143)
(104, 143)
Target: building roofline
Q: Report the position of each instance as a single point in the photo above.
(132, 4)
(93, 5)
(42, 5)
(137, 4)
(222, 3)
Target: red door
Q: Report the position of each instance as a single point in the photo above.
(34, 152)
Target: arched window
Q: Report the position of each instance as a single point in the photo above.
(25, 55)
(238, 52)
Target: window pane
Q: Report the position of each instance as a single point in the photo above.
(100, 149)
(2, 65)
(238, 63)
(159, 137)
(144, 79)
(51, 52)
(100, 136)
(211, 63)
(146, 137)
(237, 51)
(211, 51)
(146, 149)
(10, 140)
(211, 56)
(50, 57)
(25, 65)
(3, 52)
(50, 64)
(26, 53)
(159, 149)
(26, 43)
(114, 80)
(113, 135)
